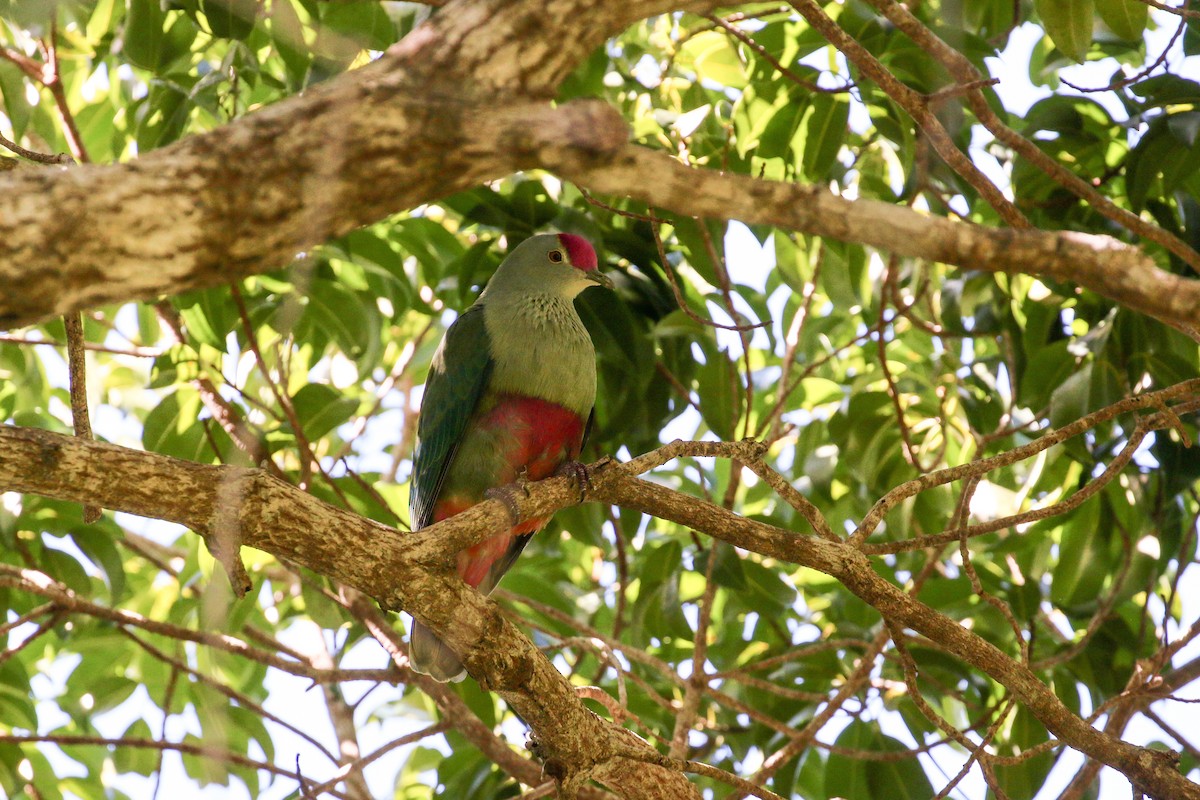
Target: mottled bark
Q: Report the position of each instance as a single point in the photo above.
(459, 101)
(409, 571)
(446, 108)
(413, 571)
(1103, 264)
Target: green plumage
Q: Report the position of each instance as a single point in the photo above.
(510, 393)
(457, 377)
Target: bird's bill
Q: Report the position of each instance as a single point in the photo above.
(599, 277)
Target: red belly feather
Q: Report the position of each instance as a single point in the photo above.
(543, 436)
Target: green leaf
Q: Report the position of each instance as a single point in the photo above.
(142, 760)
(1167, 89)
(12, 90)
(99, 545)
(251, 726)
(1156, 153)
(1072, 399)
(99, 655)
(177, 43)
(1068, 23)
(11, 780)
(163, 115)
(716, 385)
(287, 35)
(1126, 18)
(64, 568)
(728, 571)
(204, 770)
(1084, 562)
(776, 138)
(230, 19)
(321, 409)
(208, 316)
(1048, 368)
(658, 610)
(430, 243)
(1185, 127)
(366, 24)
(16, 703)
(714, 58)
(173, 428)
(792, 261)
(820, 391)
(144, 20)
(349, 319)
(767, 587)
(826, 133)
(855, 779)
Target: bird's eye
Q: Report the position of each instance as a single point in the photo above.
(556, 256)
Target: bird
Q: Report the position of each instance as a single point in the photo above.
(510, 395)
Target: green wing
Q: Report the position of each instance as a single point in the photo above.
(456, 382)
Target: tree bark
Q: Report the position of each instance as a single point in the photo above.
(413, 572)
(461, 100)
(446, 108)
(232, 505)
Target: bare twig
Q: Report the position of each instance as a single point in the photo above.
(916, 106)
(77, 365)
(964, 72)
(201, 750)
(58, 159)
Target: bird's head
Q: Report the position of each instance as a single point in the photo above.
(551, 262)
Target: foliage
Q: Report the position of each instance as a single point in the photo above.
(860, 370)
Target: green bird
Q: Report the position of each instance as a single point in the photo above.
(510, 393)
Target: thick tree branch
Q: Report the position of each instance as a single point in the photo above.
(1105, 265)
(229, 504)
(453, 708)
(448, 107)
(249, 197)
(411, 128)
(412, 571)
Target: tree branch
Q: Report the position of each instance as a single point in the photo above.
(408, 129)
(413, 572)
(1105, 265)
(250, 196)
(410, 571)
(450, 106)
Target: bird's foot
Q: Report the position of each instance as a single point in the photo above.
(507, 494)
(578, 471)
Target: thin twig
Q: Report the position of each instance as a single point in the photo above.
(763, 53)
(201, 750)
(1158, 62)
(77, 366)
(1180, 10)
(965, 72)
(57, 159)
(134, 352)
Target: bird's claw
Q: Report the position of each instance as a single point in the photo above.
(507, 495)
(577, 471)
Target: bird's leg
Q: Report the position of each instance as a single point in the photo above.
(507, 494)
(578, 471)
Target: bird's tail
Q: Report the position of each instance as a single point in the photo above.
(431, 656)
